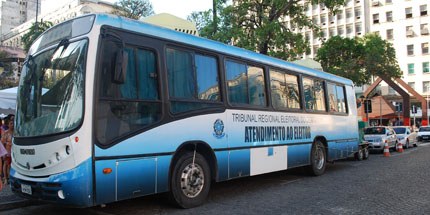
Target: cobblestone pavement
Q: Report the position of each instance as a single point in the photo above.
(395, 185)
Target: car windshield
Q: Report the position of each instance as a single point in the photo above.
(424, 129)
(400, 130)
(374, 130)
(51, 89)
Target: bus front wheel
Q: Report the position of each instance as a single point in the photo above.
(318, 159)
(190, 182)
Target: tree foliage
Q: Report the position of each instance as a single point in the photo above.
(7, 78)
(133, 9)
(35, 30)
(259, 25)
(359, 58)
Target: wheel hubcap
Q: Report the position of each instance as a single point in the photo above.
(319, 157)
(192, 180)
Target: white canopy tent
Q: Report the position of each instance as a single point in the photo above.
(8, 100)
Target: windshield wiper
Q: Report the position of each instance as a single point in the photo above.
(63, 42)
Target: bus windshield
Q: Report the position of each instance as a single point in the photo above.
(51, 90)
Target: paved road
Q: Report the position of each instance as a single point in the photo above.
(395, 185)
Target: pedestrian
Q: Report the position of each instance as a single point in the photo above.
(7, 141)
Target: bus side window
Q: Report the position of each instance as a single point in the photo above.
(245, 84)
(285, 90)
(336, 98)
(193, 81)
(314, 94)
(133, 104)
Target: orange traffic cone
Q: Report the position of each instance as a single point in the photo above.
(386, 150)
(400, 148)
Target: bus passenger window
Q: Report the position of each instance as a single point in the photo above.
(285, 90)
(245, 84)
(193, 81)
(336, 98)
(314, 94)
(126, 107)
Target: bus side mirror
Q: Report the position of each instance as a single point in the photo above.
(121, 61)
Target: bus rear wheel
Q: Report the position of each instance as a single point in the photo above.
(318, 159)
(190, 182)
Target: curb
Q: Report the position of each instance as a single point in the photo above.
(16, 204)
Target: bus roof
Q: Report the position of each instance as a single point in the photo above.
(168, 34)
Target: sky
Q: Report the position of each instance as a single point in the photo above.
(179, 8)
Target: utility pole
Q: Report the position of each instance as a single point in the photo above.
(37, 12)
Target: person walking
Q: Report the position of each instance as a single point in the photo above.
(6, 139)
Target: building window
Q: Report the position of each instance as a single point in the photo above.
(411, 69)
(339, 16)
(412, 85)
(358, 28)
(340, 31)
(410, 49)
(315, 19)
(391, 91)
(323, 19)
(389, 34)
(348, 13)
(408, 12)
(426, 86)
(332, 32)
(348, 29)
(424, 48)
(426, 68)
(357, 12)
(331, 18)
(409, 31)
(389, 16)
(424, 29)
(376, 18)
(388, 1)
(423, 10)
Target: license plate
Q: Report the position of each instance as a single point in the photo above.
(425, 138)
(26, 189)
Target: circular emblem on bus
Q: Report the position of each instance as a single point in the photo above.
(218, 129)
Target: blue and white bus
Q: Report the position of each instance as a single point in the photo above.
(111, 108)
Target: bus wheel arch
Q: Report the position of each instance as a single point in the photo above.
(318, 156)
(192, 170)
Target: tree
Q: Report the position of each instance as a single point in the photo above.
(35, 30)
(133, 9)
(259, 25)
(380, 57)
(359, 59)
(7, 78)
(343, 57)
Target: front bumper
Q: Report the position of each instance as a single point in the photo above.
(73, 187)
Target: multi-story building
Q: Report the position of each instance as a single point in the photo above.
(350, 21)
(406, 25)
(16, 12)
(67, 11)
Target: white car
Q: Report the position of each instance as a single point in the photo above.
(377, 136)
(423, 134)
(406, 136)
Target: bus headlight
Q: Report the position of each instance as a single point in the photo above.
(61, 194)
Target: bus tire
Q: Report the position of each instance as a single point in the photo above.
(365, 153)
(360, 154)
(318, 159)
(189, 187)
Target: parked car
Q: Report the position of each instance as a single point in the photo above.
(423, 134)
(377, 136)
(406, 136)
